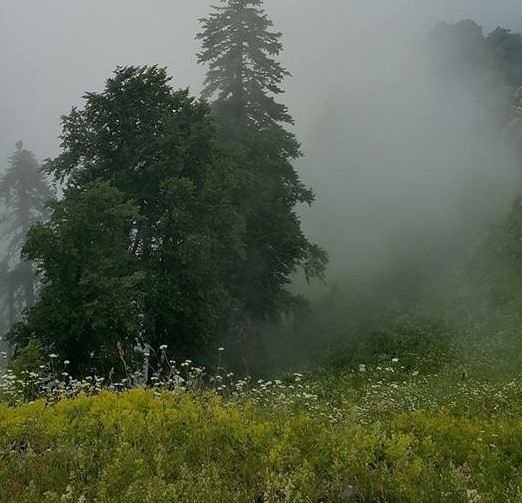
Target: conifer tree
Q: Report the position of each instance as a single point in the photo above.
(24, 192)
(243, 74)
(243, 82)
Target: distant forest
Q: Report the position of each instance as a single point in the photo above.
(496, 55)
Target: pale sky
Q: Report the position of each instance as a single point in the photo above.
(54, 50)
(349, 60)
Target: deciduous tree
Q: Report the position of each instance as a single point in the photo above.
(138, 145)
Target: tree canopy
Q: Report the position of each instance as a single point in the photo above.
(178, 224)
(495, 57)
(143, 246)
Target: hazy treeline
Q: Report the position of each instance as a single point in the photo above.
(433, 253)
(176, 220)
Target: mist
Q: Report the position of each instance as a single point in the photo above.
(390, 148)
(400, 155)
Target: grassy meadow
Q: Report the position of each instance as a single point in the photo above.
(386, 431)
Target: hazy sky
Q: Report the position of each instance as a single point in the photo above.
(52, 51)
(354, 92)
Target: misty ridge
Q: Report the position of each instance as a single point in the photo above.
(262, 251)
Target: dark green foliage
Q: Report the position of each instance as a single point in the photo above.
(243, 75)
(144, 245)
(30, 359)
(244, 80)
(91, 285)
(24, 193)
(415, 339)
(29, 362)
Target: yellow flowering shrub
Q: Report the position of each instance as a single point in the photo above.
(159, 446)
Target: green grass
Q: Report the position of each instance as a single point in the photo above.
(381, 432)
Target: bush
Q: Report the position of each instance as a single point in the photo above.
(394, 440)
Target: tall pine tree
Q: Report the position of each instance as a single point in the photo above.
(24, 192)
(243, 82)
(243, 75)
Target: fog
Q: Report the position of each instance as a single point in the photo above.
(394, 153)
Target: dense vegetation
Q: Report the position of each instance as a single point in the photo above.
(376, 433)
(177, 225)
(496, 56)
(175, 233)
(141, 248)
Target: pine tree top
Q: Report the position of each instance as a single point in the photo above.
(243, 77)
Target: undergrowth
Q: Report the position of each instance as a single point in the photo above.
(376, 432)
